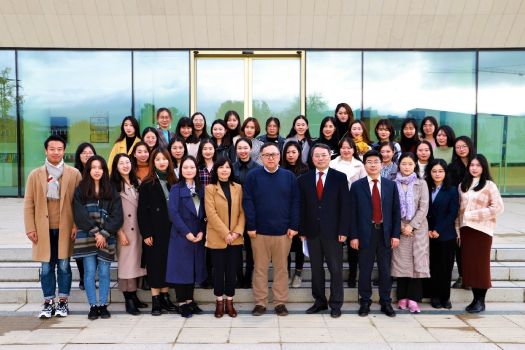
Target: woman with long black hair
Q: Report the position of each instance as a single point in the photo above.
(300, 133)
(129, 136)
(409, 137)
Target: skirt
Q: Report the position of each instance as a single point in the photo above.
(475, 256)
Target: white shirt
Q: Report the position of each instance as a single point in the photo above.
(323, 178)
(371, 184)
(354, 169)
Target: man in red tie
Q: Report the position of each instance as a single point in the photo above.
(325, 225)
(375, 225)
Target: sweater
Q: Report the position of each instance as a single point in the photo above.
(271, 201)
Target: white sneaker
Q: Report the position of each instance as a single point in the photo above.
(296, 282)
(48, 310)
(62, 309)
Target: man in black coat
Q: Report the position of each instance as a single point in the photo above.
(325, 226)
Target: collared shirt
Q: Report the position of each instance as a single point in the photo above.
(271, 172)
(371, 184)
(435, 192)
(323, 178)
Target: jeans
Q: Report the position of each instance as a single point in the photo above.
(90, 270)
(48, 278)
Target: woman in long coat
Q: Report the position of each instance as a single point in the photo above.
(410, 261)
(186, 261)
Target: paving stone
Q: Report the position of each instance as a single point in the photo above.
(314, 335)
(503, 335)
(254, 335)
(303, 321)
(486, 321)
(458, 335)
(449, 321)
(369, 335)
(264, 321)
(394, 334)
(152, 335)
(203, 335)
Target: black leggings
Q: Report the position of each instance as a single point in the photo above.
(184, 292)
(225, 266)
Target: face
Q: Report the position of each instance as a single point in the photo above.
(86, 154)
(320, 158)
(428, 128)
(437, 173)
(185, 131)
(96, 171)
(198, 122)
(142, 154)
(462, 149)
(55, 152)
(409, 130)
(387, 154)
(129, 129)
(342, 115)
(373, 166)
(423, 152)
(328, 130)
(300, 127)
(406, 166)
(272, 129)
(249, 130)
(270, 157)
(232, 122)
(224, 172)
(218, 131)
(346, 151)
(292, 154)
(161, 162)
(208, 151)
(441, 138)
(124, 166)
(189, 170)
(164, 119)
(243, 151)
(356, 130)
(383, 133)
(150, 139)
(177, 150)
(475, 168)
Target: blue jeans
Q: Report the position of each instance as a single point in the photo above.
(90, 270)
(48, 278)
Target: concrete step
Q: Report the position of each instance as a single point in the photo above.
(30, 292)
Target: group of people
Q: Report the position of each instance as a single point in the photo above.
(177, 208)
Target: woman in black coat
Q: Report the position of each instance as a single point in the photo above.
(155, 226)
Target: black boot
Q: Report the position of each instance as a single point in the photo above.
(166, 304)
(478, 306)
(155, 306)
(130, 305)
(138, 304)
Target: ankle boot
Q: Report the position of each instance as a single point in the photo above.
(230, 309)
(478, 306)
(166, 304)
(185, 310)
(219, 308)
(156, 309)
(471, 305)
(138, 304)
(130, 305)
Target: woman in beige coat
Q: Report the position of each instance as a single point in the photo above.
(410, 261)
(223, 203)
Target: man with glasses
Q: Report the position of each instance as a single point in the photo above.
(375, 228)
(271, 207)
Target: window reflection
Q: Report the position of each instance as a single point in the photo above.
(8, 151)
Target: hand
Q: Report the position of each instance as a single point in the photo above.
(149, 241)
(394, 242)
(407, 230)
(342, 238)
(354, 243)
(190, 237)
(229, 238)
(123, 238)
(32, 237)
(252, 234)
(101, 241)
(199, 237)
(291, 233)
(73, 233)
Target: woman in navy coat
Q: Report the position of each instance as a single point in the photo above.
(441, 225)
(186, 261)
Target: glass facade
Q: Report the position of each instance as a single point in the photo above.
(83, 96)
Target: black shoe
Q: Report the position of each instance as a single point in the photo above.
(315, 308)
(446, 304)
(156, 309)
(477, 306)
(194, 308)
(138, 304)
(281, 310)
(103, 311)
(185, 310)
(435, 303)
(258, 310)
(81, 285)
(458, 284)
(130, 305)
(166, 304)
(469, 306)
(388, 310)
(364, 308)
(93, 312)
(335, 313)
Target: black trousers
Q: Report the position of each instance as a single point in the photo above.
(458, 258)
(184, 292)
(225, 267)
(331, 251)
(441, 265)
(376, 249)
(353, 260)
(297, 248)
(246, 276)
(409, 288)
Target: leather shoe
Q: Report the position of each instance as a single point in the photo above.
(315, 308)
(335, 313)
(280, 310)
(364, 308)
(477, 307)
(219, 308)
(435, 303)
(388, 310)
(230, 309)
(258, 310)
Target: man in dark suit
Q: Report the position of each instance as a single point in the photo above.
(325, 225)
(375, 225)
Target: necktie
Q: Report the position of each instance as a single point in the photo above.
(320, 186)
(377, 215)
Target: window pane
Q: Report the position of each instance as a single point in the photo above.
(8, 151)
(332, 77)
(501, 123)
(276, 91)
(81, 95)
(161, 79)
(419, 84)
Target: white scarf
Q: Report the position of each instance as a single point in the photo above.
(54, 173)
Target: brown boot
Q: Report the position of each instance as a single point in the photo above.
(230, 309)
(219, 308)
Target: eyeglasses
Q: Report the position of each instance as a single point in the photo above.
(87, 154)
(320, 156)
(270, 155)
(461, 146)
(373, 162)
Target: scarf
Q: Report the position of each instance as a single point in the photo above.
(362, 146)
(163, 180)
(406, 200)
(54, 173)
